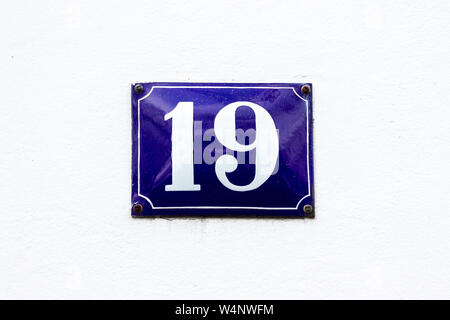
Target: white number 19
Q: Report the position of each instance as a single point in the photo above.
(266, 145)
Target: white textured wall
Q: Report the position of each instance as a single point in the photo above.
(381, 75)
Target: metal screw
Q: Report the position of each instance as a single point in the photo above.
(139, 88)
(308, 209)
(138, 208)
(306, 89)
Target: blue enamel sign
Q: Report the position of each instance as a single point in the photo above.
(215, 149)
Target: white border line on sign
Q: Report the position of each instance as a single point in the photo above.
(221, 207)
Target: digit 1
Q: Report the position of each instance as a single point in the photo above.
(182, 148)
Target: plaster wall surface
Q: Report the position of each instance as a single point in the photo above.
(380, 71)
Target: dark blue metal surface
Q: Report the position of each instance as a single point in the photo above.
(284, 193)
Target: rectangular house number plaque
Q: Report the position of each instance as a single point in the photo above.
(215, 149)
